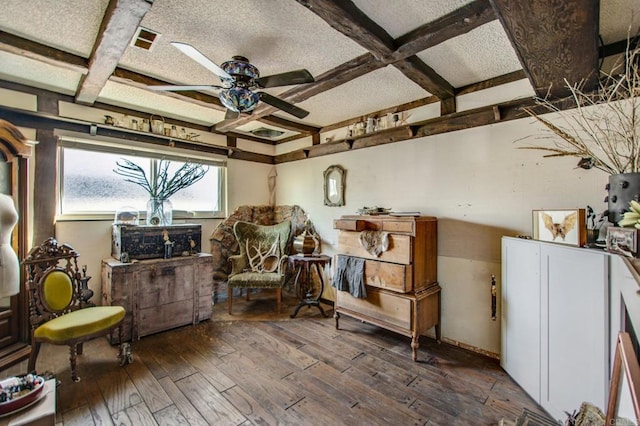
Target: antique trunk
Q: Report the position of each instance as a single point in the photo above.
(158, 294)
(148, 242)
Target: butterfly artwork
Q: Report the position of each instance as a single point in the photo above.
(560, 226)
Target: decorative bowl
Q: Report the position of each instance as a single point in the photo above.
(21, 398)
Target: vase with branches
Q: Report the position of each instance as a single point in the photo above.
(160, 185)
(603, 129)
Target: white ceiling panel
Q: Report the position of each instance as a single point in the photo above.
(480, 54)
(374, 91)
(38, 74)
(398, 17)
(143, 100)
(69, 25)
(618, 16)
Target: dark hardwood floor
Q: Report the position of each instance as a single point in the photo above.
(274, 370)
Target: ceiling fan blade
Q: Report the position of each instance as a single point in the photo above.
(231, 115)
(172, 88)
(197, 56)
(283, 105)
(285, 79)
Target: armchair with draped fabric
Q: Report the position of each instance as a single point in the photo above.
(262, 259)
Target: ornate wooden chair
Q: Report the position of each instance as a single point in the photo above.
(56, 311)
(262, 259)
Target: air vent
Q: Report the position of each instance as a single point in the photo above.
(145, 38)
(263, 132)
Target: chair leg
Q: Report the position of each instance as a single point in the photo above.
(35, 348)
(229, 298)
(121, 332)
(73, 355)
(248, 293)
(79, 348)
(278, 299)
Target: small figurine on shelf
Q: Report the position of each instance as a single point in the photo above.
(168, 245)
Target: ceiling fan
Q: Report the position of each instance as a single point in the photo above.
(239, 79)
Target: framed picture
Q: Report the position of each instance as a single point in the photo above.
(560, 226)
(622, 241)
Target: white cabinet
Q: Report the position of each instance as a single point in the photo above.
(520, 347)
(555, 323)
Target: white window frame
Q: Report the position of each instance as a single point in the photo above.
(139, 149)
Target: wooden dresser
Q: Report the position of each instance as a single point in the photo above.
(401, 283)
(158, 294)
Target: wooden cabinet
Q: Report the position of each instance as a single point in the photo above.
(555, 323)
(159, 294)
(401, 282)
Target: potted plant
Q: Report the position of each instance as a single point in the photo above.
(160, 186)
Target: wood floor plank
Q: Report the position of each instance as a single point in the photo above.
(209, 370)
(258, 382)
(211, 404)
(80, 416)
(170, 416)
(119, 391)
(332, 398)
(144, 350)
(135, 415)
(379, 399)
(182, 403)
(148, 387)
(97, 405)
(257, 410)
(281, 349)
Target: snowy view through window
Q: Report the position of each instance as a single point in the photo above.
(91, 185)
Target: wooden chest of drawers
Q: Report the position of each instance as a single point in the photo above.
(402, 290)
(159, 294)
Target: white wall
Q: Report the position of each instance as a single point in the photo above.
(478, 184)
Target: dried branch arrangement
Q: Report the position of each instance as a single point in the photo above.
(604, 128)
(159, 184)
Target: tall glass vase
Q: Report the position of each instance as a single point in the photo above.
(159, 212)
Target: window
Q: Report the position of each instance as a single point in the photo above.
(90, 187)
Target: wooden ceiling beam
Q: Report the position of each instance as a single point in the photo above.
(424, 76)
(451, 25)
(120, 22)
(554, 40)
(345, 17)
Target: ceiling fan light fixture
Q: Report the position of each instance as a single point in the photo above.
(240, 68)
(239, 99)
(264, 132)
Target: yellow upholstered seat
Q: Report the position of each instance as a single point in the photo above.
(56, 310)
(79, 323)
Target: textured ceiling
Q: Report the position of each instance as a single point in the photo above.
(276, 36)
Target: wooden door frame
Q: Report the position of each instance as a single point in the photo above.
(15, 149)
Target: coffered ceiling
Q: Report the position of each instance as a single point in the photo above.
(367, 56)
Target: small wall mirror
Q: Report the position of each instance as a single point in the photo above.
(334, 186)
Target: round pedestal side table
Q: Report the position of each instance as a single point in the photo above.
(304, 284)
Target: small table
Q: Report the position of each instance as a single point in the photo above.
(304, 287)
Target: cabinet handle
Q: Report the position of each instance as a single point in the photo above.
(494, 293)
(169, 270)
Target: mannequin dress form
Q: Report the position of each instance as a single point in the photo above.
(9, 263)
